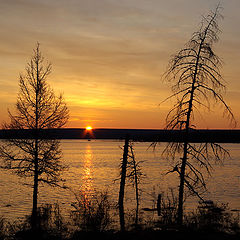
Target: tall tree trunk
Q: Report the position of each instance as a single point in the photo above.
(122, 184)
(36, 138)
(186, 139)
(35, 189)
(181, 185)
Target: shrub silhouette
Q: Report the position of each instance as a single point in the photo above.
(92, 213)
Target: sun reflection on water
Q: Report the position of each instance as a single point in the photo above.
(87, 177)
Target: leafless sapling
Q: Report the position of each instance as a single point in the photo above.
(37, 108)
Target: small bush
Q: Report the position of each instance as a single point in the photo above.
(50, 225)
(92, 213)
(168, 210)
(2, 228)
(212, 217)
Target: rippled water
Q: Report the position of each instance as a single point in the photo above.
(94, 166)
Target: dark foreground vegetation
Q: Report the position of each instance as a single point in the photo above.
(96, 219)
(133, 235)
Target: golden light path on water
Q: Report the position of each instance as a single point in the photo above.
(87, 177)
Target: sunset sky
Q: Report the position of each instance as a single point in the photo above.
(108, 56)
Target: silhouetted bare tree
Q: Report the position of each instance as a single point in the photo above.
(196, 77)
(134, 174)
(123, 173)
(37, 108)
(130, 170)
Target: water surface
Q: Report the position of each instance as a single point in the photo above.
(94, 166)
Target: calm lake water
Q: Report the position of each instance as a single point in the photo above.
(94, 166)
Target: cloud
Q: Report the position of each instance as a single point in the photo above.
(109, 55)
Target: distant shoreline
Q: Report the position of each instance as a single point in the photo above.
(147, 135)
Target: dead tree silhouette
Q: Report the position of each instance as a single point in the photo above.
(195, 74)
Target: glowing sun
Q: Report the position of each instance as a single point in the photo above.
(89, 128)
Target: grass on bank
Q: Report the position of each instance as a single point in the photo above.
(95, 219)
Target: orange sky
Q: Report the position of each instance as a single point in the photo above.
(108, 56)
